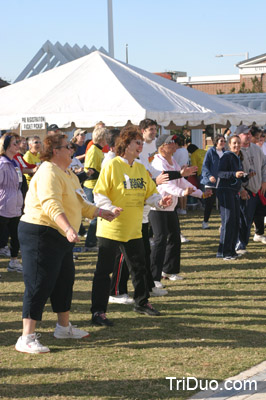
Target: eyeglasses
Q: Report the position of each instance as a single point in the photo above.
(68, 147)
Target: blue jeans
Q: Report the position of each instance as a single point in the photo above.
(229, 210)
(91, 235)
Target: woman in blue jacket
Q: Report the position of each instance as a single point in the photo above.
(230, 178)
(209, 175)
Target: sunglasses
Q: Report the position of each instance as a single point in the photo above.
(37, 142)
(139, 142)
(68, 146)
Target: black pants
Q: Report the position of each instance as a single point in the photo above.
(165, 254)
(48, 269)
(250, 210)
(12, 225)
(134, 254)
(121, 274)
(209, 203)
(4, 235)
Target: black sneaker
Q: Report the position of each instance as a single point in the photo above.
(146, 309)
(99, 318)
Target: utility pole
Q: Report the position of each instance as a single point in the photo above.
(126, 53)
(110, 29)
(234, 55)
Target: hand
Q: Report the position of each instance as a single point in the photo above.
(89, 172)
(188, 191)
(251, 174)
(78, 170)
(166, 201)
(72, 235)
(263, 188)
(117, 211)
(212, 179)
(108, 215)
(162, 178)
(239, 174)
(187, 171)
(244, 195)
(207, 193)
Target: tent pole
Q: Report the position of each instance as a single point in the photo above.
(110, 29)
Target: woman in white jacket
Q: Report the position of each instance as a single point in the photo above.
(165, 255)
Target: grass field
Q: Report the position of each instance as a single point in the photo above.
(212, 327)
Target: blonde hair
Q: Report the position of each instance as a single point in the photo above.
(99, 134)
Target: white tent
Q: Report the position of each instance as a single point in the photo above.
(97, 87)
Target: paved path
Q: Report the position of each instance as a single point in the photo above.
(257, 373)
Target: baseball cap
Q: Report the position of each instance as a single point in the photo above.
(242, 129)
(164, 139)
(52, 127)
(79, 131)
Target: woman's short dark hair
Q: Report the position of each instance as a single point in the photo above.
(191, 148)
(111, 137)
(5, 141)
(127, 134)
(180, 141)
(216, 139)
(50, 143)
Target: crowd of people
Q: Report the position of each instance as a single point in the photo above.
(131, 185)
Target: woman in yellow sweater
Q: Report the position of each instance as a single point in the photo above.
(54, 206)
(123, 187)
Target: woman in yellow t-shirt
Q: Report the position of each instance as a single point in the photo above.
(123, 187)
(54, 205)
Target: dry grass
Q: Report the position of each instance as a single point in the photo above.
(212, 327)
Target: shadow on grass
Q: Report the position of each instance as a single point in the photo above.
(173, 331)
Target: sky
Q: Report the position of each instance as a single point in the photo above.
(162, 35)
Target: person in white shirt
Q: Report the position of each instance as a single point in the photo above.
(182, 158)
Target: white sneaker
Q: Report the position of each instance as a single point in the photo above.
(5, 251)
(157, 292)
(205, 225)
(158, 284)
(69, 332)
(172, 277)
(241, 251)
(183, 239)
(31, 344)
(259, 238)
(121, 299)
(14, 265)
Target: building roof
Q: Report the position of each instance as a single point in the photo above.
(256, 101)
(207, 79)
(252, 60)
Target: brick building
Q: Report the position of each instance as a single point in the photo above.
(251, 78)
